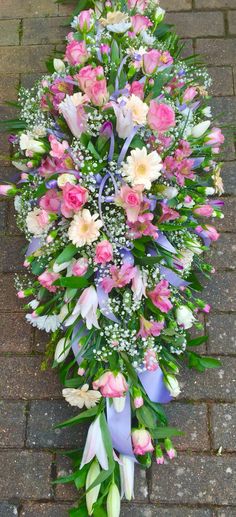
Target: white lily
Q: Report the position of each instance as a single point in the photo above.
(92, 495)
(127, 477)
(86, 306)
(119, 403)
(200, 129)
(62, 350)
(95, 446)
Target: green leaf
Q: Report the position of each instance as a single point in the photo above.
(89, 413)
(115, 53)
(93, 151)
(81, 477)
(106, 438)
(67, 254)
(146, 417)
(99, 512)
(197, 341)
(159, 82)
(210, 362)
(12, 125)
(166, 432)
(158, 410)
(79, 512)
(195, 284)
(71, 281)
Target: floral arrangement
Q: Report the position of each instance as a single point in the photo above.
(116, 151)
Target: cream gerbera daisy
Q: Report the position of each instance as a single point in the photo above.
(138, 108)
(142, 168)
(81, 397)
(84, 229)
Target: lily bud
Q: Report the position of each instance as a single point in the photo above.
(200, 129)
(92, 495)
(185, 317)
(127, 477)
(119, 404)
(113, 501)
(62, 350)
(159, 14)
(159, 455)
(172, 385)
(8, 190)
(59, 65)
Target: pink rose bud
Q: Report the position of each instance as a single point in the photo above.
(159, 455)
(111, 385)
(142, 442)
(26, 263)
(204, 210)
(104, 252)
(46, 280)
(170, 449)
(81, 372)
(6, 189)
(138, 402)
(80, 267)
(21, 294)
(105, 49)
(207, 308)
(85, 20)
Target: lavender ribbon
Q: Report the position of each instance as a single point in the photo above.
(120, 428)
(103, 299)
(165, 243)
(172, 277)
(119, 72)
(112, 147)
(154, 386)
(34, 245)
(127, 144)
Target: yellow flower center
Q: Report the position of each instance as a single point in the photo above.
(142, 169)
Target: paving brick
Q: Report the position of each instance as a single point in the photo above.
(176, 5)
(44, 510)
(227, 223)
(27, 8)
(8, 87)
(12, 254)
(215, 4)
(211, 477)
(28, 80)
(192, 420)
(216, 384)
(43, 416)
(223, 418)
(9, 174)
(44, 31)
(68, 491)
(220, 292)
(16, 334)
(217, 51)
(8, 510)
(232, 22)
(67, 8)
(26, 475)
(229, 177)
(222, 253)
(222, 333)
(224, 108)
(25, 59)
(226, 512)
(9, 32)
(8, 298)
(188, 48)
(12, 228)
(3, 213)
(196, 24)
(222, 80)
(133, 510)
(12, 424)
(21, 378)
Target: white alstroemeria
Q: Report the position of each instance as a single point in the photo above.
(172, 385)
(113, 501)
(185, 317)
(59, 66)
(28, 143)
(81, 397)
(94, 446)
(127, 477)
(119, 28)
(200, 129)
(186, 258)
(147, 38)
(75, 116)
(119, 403)
(170, 192)
(47, 323)
(139, 284)
(20, 166)
(57, 268)
(92, 495)
(209, 191)
(86, 307)
(207, 112)
(33, 304)
(62, 350)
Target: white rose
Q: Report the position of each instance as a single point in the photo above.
(185, 317)
(66, 178)
(28, 143)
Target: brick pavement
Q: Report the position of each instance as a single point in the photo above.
(199, 483)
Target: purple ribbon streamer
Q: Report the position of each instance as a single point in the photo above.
(127, 256)
(127, 144)
(120, 428)
(34, 245)
(172, 277)
(103, 299)
(154, 386)
(112, 147)
(119, 72)
(165, 243)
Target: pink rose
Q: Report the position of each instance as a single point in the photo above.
(46, 280)
(93, 83)
(130, 199)
(85, 20)
(97, 92)
(140, 23)
(57, 148)
(137, 89)
(74, 198)
(160, 116)
(150, 61)
(142, 442)
(76, 53)
(50, 201)
(111, 385)
(80, 267)
(104, 252)
(87, 75)
(43, 219)
(204, 210)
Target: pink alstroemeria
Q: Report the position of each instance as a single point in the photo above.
(50, 201)
(140, 23)
(143, 226)
(57, 148)
(160, 296)
(204, 210)
(150, 328)
(47, 278)
(139, 284)
(168, 214)
(86, 307)
(119, 277)
(130, 199)
(150, 360)
(94, 446)
(75, 116)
